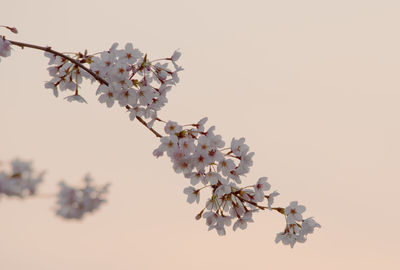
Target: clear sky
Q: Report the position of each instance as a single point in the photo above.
(313, 86)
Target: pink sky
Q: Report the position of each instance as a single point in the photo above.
(312, 85)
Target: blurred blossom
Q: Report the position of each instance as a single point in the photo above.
(20, 180)
(73, 202)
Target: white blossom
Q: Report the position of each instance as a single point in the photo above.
(130, 55)
(226, 166)
(242, 221)
(238, 147)
(211, 218)
(308, 226)
(196, 177)
(172, 127)
(259, 189)
(193, 194)
(127, 97)
(293, 212)
(108, 94)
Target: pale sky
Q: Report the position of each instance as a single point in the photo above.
(313, 86)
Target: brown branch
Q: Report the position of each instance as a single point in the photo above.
(151, 129)
(48, 49)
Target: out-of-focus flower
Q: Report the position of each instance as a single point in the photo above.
(21, 180)
(74, 203)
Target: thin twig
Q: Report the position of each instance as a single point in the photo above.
(151, 129)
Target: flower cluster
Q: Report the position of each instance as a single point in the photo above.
(21, 180)
(200, 155)
(127, 77)
(295, 232)
(73, 203)
(203, 158)
(135, 82)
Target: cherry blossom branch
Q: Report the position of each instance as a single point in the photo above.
(127, 76)
(79, 64)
